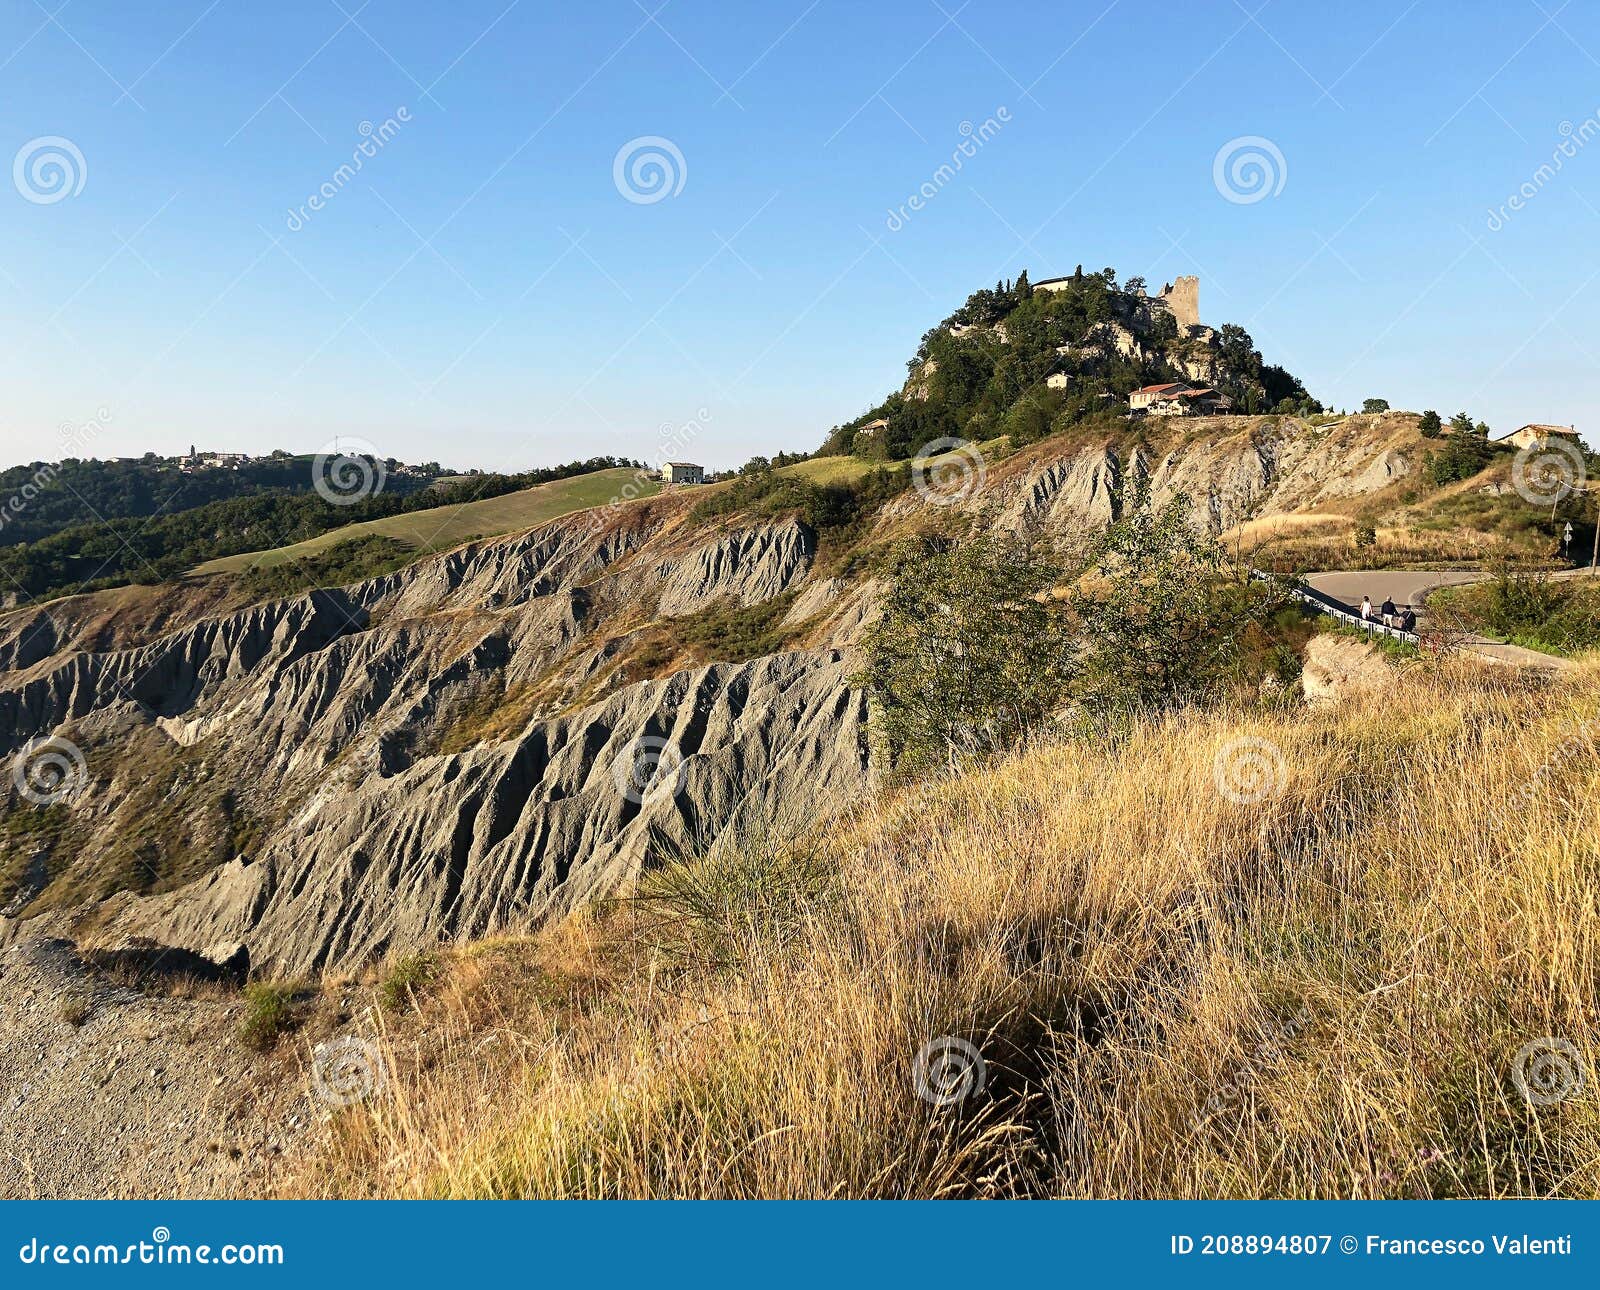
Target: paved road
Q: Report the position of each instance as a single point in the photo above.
(1403, 586)
(1412, 586)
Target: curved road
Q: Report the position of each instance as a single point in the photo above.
(1412, 586)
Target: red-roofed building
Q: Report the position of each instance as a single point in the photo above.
(1178, 399)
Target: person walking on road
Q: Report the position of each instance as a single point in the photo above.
(1366, 609)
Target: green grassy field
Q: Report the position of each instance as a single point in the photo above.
(829, 470)
(443, 527)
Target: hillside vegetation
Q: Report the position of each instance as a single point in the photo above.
(1319, 952)
(113, 552)
(81, 491)
(986, 369)
(460, 518)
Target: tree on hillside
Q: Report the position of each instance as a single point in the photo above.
(1375, 405)
(966, 658)
(1159, 617)
(1461, 424)
(974, 650)
(1430, 425)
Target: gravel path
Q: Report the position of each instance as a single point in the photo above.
(109, 1092)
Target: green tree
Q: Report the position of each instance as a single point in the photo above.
(967, 656)
(1375, 405)
(1160, 618)
(1430, 425)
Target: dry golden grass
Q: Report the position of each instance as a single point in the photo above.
(1320, 992)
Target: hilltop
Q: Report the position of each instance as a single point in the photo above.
(1029, 361)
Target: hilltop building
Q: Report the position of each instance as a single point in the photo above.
(1180, 297)
(1534, 435)
(682, 472)
(1178, 399)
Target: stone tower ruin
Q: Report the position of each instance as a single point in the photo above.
(1182, 297)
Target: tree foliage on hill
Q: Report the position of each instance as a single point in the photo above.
(1466, 451)
(64, 494)
(984, 640)
(138, 549)
(990, 379)
(827, 506)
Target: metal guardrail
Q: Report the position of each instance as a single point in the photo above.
(1325, 605)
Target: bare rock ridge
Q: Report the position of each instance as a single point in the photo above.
(503, 835)
(450, 749)
(322, 711)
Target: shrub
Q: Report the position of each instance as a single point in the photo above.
(75, 1009)
(409, 975)
(967, 657)
(269, 1013)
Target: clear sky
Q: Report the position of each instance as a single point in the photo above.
(482, 291)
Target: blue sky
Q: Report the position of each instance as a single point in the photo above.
(483, 293)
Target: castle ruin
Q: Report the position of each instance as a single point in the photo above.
(1180, 297)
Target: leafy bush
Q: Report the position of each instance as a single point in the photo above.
(968, 656)
(975, 650)
(1531, 609)
(337, 566)
(269, 1012)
